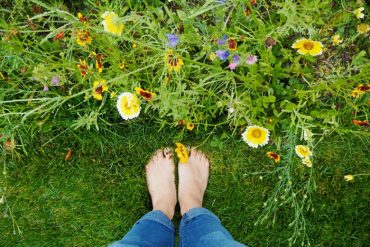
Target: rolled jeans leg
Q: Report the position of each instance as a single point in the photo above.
(199, 227)
(154, 229)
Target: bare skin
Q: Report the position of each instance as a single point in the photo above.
(161, 182)
(193, 180)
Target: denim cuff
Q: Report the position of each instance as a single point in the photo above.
(195, 212)
(159, 217)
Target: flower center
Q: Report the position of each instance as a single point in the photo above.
(308, 45)
(304, 151)
(84, 36)
(173, 62)
(146, 95)
(99, 90)
(256, 133)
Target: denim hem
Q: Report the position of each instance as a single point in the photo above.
(159, 217)
(195, 212)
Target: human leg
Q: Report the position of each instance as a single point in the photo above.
(155, 228)
(198, 227)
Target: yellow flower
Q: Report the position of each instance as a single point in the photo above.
(113, 95)
(358, 13)
(145, 94)
(121, 65)
(348, 177)
(173, 62)
(336, 39)
(303, 151)
(274, 156)
(212, 56)
(307, 161)
(307, 46)
(190, 126)
(182, 152)
(99, 88)
(134, 45)
(256, 136)
(112, 23)
(128, 105)
(83, 38)
(363, 28)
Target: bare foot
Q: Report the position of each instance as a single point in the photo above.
(161, 182)
(193, 179)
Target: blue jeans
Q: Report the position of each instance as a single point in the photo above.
(198, 228)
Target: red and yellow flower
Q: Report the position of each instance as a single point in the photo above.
(99, 62)
(358, 91)
(83, 38)
(98, 89)
(231, 43)
(83, 67)
(173, 62)
(274, 156)
(81, 17)
(145, 94)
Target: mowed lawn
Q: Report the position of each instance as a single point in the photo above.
(94, 198)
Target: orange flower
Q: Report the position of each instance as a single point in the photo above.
(145, 94)
(59, 36)
(360, 123)
(83, 67)
(232, 44)
(274, 156)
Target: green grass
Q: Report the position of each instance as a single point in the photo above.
(96, 196)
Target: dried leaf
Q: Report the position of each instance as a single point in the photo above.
(68, 154)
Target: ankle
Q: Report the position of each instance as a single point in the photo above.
(186, 205)
(169, 211)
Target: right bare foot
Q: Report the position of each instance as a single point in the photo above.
(161, 182)
(193, 180)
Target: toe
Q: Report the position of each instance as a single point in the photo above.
(167, 152)
(158, 155)
(193, 153)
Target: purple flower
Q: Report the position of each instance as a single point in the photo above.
(46, 88)
(235, 62)
(252, 59)
(236, 58)
(55, 80)
(221, 54)
(173, 40)
(223, 40)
